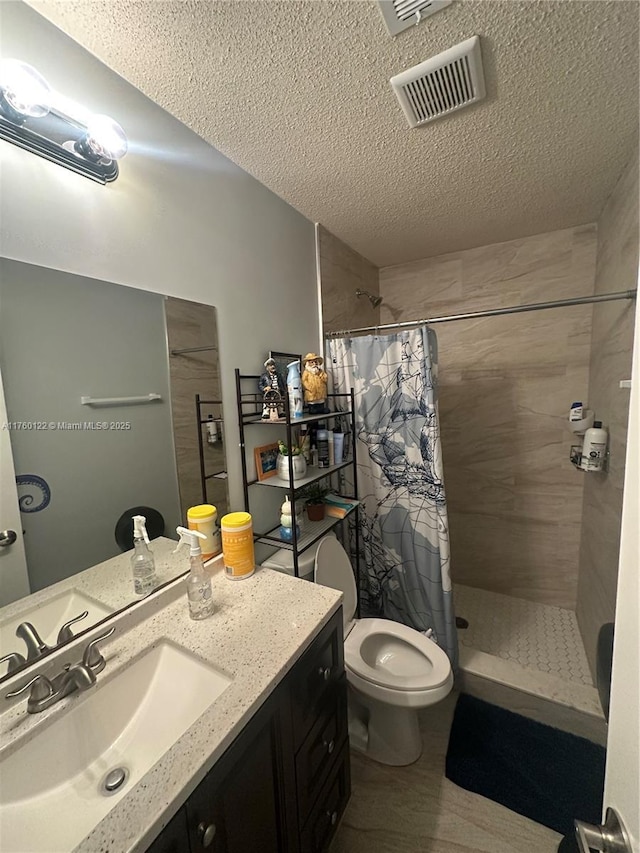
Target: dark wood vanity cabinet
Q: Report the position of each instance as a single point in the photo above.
(283, 784)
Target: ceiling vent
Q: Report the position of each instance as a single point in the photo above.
(440, 85)
(399, 15)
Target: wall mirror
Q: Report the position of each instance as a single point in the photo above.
(140, 440)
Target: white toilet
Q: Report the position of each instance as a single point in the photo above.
(392, 670)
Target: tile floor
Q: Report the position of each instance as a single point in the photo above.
(535, 636)
(417, 810)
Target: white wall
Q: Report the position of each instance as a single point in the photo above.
(181, 219)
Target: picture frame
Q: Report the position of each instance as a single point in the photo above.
(266, 458)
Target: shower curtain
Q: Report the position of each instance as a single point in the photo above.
(404, 544)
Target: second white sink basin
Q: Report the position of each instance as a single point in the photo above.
(52, 786)
(49, 616)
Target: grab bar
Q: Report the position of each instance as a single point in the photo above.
(119, 401)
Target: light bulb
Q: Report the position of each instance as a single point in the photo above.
(105, 139)
(24, 89)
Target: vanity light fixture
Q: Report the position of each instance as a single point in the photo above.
(31, 119)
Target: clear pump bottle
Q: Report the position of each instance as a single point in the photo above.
(143, 564)
(198, 580)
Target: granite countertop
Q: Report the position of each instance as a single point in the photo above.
(260, 628)
(110, 582)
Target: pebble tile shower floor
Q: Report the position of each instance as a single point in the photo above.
(534, 636)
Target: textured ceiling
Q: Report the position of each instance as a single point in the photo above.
(297, 93)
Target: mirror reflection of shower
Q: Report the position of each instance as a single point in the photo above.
(374, 300)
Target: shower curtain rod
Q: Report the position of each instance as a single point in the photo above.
(516, 309)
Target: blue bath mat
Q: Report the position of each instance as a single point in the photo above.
(540, 772)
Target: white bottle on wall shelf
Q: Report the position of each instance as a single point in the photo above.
(594, 449)
(212, 430)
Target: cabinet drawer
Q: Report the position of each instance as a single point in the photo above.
(317, 673)
(318, 753)
(329, 807)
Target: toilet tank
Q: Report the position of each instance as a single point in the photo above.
(282, 560)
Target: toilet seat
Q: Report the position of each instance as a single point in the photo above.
(395, 656)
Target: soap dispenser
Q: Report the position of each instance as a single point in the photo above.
(198, 580)
(143, 565)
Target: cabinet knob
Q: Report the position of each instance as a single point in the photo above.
(325, 672)
(330, 746)
(333, 817)
(206, 833)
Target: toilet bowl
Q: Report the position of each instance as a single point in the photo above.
(392, 670)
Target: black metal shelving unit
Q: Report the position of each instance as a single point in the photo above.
(250, 415)
(200, 422)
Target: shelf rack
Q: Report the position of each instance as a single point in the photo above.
(250, 415)
(200, 422)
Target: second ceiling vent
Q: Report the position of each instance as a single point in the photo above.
(440, 85)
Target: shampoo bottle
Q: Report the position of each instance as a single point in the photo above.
(198, 580)
(143, 565)
(594, 448)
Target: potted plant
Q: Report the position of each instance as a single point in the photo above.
(298, 462)
(313, 495)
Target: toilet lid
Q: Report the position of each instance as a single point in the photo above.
(394, 655)
(333, 569)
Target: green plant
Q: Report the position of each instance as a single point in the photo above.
(284, 450)
(314, 493)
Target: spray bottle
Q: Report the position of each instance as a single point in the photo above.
(198, 580)
(143, 565)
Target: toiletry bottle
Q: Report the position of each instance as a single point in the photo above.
(331, 447)
(198, 580)
(575, 412)
(143, 565)
(594, 448)
(212, 430)
(323, 448)
(338, 447)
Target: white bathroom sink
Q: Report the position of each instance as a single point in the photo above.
(51, 786)
(47, 618)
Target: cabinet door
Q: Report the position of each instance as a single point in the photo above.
(319, 670)
(174, 838)
(235, 809)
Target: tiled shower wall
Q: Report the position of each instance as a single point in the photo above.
(611, 345)
(342, 272)
(506, 384)
(191, 324)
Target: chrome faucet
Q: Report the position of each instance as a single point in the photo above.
(36, 646)
(79, 677)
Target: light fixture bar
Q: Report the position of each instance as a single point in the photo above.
(89, 148)
(26, 138)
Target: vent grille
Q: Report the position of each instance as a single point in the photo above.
(399, 15)
(445, 83)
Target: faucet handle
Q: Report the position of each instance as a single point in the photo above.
(14, 660)
(92, 657)
(42, 689)
(65, 634)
